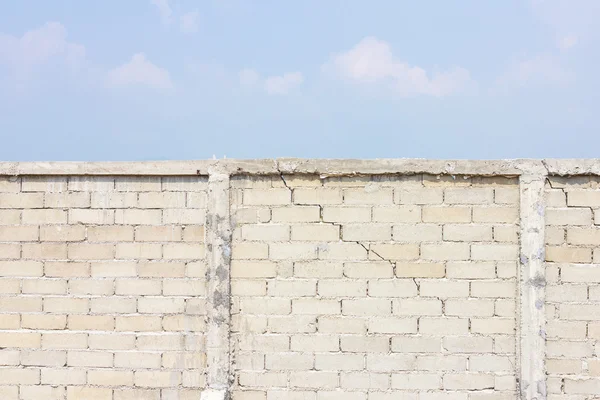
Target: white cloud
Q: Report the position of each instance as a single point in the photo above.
(283, 84)
(567, 42)
(538, 70)
(273, 85)
(577, 17)
(248, 77)
(164, 9)
(188, 22)
(139, 72)
(371, 61)
(38, 47)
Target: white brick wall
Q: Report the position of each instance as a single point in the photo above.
(573, 291)
(374, 287)
(102, 288)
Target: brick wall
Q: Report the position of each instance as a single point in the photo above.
(248, 280)
(359, 288)
(102, 289)
(573, 293)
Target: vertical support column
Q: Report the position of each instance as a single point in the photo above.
(218, 245)
(532, 341)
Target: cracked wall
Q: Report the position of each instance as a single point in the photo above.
(373, 287)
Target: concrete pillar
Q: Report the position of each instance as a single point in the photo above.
(531, 343)
(218, 246)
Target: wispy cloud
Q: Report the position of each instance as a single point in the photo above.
(567, 42)
(164, 10)
(188, 22)
(140, 72)
(38, 46)
(371, 61)
(273, 85)
(540, 70)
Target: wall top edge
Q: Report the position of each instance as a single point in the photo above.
(324, 167)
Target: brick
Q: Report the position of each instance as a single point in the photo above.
(417, 306)
(44, 286)
(21, 268)
(419, 380)
(67, 200)
(60, 340)
(366, 232)
(84, 251)
(341, 288)
(407, 344)
(470, 270)
(91, 322)
(275, 232)
(317, 196)
(582, 198)
(468, 381)
(253, 269)
(369, 270)
(295, 288)
(111, 341)
(398, 214)
(110, 233)
(10, 184)
(43, 358)
(457, 195)
(292, 324)
(346, 214)
(499, 214)
(10, 286)
(144, 251)
(390, 362)
(420, 270)
(266, 379)
(289, 361)
(364, 380)
(315, 306)
(10, 217)
(182, 251)
(138, 217)
(391, 288)
(89, 359)
(506, 233)
(338, 362)
(468, 344)
(493, 289)
(185, 323)
(362, 344)
(318, 269)
(59, 269)
(137, 287)
(488, 326)
(586, 312)
(296, 251)
(441, 363)
(444, 288)
(44, 251)
(91, 216)
(193, 233)
(104, 377)
(341, 325)
(296, 214)
(467, 233)
(445, 251)
(45, 216)
(169, 233)
(66, 305)
(443, 326)
(143, 394)
(91, 286)
(563, 366)
(392, 325)
(184, 216)
(20, 304)
(107, 199)
(417, 233)
(420, 196)
(407, 251)
(88, 393)
(469, 308)
(40, 392)
(314, 343)
(568, 216)
(162, 269)
(267, 196)
(19, 233)
(21, 200)
(365, 307)
(311, 232)
(61, 233)
(113, 304)
(580, 273)
(45, 322)
(568, 254)
(506, 196)
(443, 214)
(160, 305)
(268, 343)
(585, 386)
(249, 250)
(342, 251)
(20, 376)
(26, 340)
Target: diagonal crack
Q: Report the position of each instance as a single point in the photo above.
(282, 177)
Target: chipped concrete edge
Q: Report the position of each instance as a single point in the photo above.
(323, 167)
(218, 246)
(531, 336)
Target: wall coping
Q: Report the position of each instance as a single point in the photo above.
(323, 167)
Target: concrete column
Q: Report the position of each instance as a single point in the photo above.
(531, 344)
(218, 246)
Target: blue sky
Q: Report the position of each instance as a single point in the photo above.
(183, 79)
